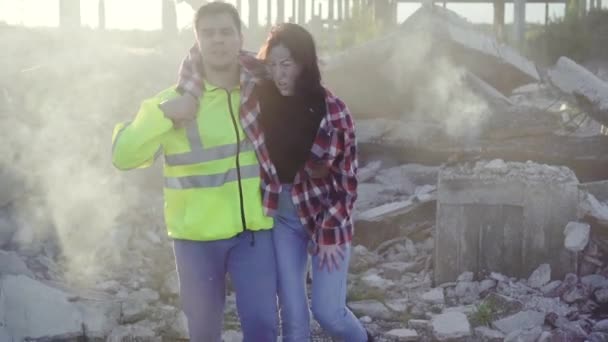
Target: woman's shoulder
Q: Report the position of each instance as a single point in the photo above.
(338, 114)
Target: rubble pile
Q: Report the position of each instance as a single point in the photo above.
(79, 263)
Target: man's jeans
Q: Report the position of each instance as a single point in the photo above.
(202, 268)
(328, 288)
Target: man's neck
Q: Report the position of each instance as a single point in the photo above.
(227, 79)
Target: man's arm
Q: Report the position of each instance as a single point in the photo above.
(136, 144)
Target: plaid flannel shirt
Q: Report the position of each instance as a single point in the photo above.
(324, 205)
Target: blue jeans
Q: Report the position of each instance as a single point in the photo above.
(328, 288)
(202, 268)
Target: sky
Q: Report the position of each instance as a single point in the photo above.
(128, 14)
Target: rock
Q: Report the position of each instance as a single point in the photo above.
(540, 277)
(4, 336)
(37, 311)
(545, 336)
(232, 336)
(601, 295)
(522, 320)
(547, 305)
(398, 305)
(578, 293)
(467, 291)
(598, 337)
(110, 286)
(137, 332)
(552, 286)
(601, 326)
(365, 319)
(434, 296)
(450, 326)
(369, 171)
(466, 277)
(133, 311)
(498, 277)
(489, 335)
(395, 270)
(7, 228)
(503, 306)
(530, 335)
(179, 327)
(375, 281)
(145, 295)
(466, 309)
(362, 259)
(372, 308)
(577, 236)
(595, 281)
(403, 335)
(419, 324)
(11, 263)
(486, 285)
(171, 284)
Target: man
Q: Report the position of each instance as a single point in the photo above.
(213, 207)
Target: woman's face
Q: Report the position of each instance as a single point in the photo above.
(283, 69)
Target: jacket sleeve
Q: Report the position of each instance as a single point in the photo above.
(336, 220)
(136, 144)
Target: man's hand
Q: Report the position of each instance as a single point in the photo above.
(331, 256)
(319, 170)
(181, 109)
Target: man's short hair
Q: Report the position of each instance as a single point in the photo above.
(215, 8)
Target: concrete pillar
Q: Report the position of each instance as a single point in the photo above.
(253, 14)
(340, 10)
(239, 6)
(294, 11)
(331, 10)
(347, 9)
(69, 14)
(503, 217)
(499, 19)
(301, 12)
(280, 11)
(269, 13)
(101, 14)
(519, 21)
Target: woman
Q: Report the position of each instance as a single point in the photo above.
(307, 150)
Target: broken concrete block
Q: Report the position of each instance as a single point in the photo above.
(372, 308)
(434, 296)
(521, 320)
(232, 336)
(489, 335)
(398, 305)
(34, 310)
(523, 210)
(540, 277)
(137, 332)
(403, 335)
(577, 236)
(530, 335)
(594, 281)
(574, 79)
(11, 263)
(451, 326)
(369, 171)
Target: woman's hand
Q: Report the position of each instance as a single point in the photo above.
(330, 256)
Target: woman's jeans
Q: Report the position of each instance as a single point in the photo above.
(328, 288)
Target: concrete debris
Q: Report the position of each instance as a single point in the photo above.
(521, 320)
(540, 277)
(507, 203)
(434, 296)
(371, 308)
(489, 335)
(450, 326)
(591, 91)
(577, 236)
(34, 310)
(403, 335)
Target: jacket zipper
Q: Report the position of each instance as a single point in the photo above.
(238, 166)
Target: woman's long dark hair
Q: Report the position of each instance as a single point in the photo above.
(301, 45)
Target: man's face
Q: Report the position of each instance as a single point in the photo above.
(219, 41)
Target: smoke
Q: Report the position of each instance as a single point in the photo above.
(436, 87)
(59, 107)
